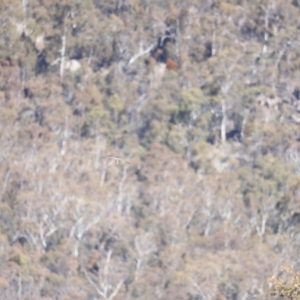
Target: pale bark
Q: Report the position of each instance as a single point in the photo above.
(62, 57)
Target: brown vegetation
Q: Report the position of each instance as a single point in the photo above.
(207, 208)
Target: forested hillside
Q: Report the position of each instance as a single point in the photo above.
(198, 101)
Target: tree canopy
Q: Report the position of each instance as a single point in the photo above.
(201, 97)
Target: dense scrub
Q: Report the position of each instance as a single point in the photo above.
(201, 97)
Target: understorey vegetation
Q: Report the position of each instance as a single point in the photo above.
(149, 149)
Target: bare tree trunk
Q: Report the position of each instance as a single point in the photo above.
(63, 52)
(213, 43)
(244, 123)
(178, 39)
(24, 4)
(121, 190)
(224, 120)
(266, 34)
(224, 88)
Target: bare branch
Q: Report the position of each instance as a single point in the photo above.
(115, 292)
(141, 53)
(92, 283)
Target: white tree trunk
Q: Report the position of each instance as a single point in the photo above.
(62, 60)
(223, 123)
